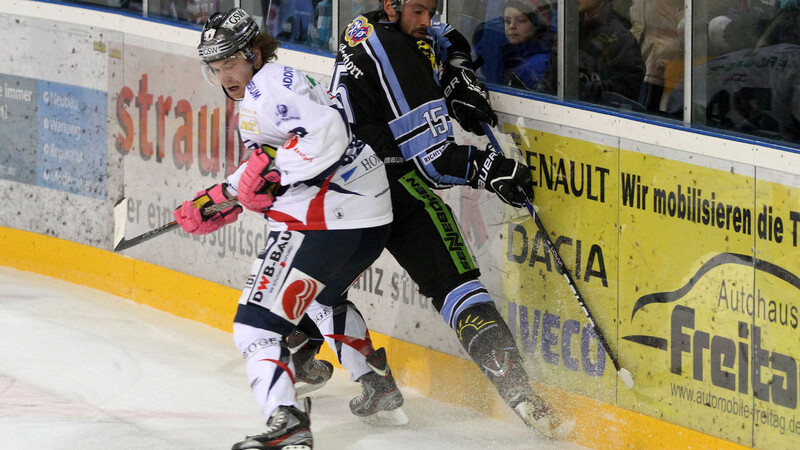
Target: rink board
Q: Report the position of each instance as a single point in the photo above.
(676, 293)
(689, 265)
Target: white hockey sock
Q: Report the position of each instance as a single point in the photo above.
(346, 333)
(269, 367)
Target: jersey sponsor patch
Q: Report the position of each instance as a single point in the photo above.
(270, 268)
(358, 31)
(248, 124)
(350, 66)
(286, 112)
(253, 90)
(432, 156)
(288, 77)
(426, 50)
(296, 294)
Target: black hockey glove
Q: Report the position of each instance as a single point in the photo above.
(467, 99)
(509, 179)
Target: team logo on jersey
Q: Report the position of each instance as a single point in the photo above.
(426, 50)
(358, 31)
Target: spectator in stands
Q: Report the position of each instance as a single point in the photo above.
(288, 20)
(754, 89)
(521, 30)
(527, 52)
(655, 26)
(198, 11)
(610, 65)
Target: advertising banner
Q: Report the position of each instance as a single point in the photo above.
(177, 135)
(689, 265)
(54, 121)
(576, 195)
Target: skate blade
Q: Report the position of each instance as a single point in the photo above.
(303, 388)
(556, 433)
(563, 430)
(392, 418)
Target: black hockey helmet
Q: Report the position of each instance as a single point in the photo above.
(226, 34)
(397, 5)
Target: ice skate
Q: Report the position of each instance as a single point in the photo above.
(536, 414)
(505, 371)
(287, 429)
(380, 400)
(310, 372)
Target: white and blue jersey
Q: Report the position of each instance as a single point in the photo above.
(329, 179)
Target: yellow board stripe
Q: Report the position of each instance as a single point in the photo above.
(434, 374)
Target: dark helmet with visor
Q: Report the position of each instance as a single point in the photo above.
(226, 34)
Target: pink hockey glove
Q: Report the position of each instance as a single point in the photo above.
(192, 220)
(259, 180)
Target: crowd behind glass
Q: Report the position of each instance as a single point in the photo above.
(626, 54)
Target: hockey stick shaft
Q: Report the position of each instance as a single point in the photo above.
(626, 376)
(123, 243)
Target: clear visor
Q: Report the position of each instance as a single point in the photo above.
(213, 70)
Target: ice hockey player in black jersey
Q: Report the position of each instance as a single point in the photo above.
(401, 76)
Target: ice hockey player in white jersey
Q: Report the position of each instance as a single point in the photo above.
(326, 197)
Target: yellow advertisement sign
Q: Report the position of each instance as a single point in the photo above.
(690, 267)
(576, 186)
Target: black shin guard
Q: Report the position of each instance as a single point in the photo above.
(485, 336)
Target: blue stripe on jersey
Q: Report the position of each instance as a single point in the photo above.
(441, 43)
(422, 134)
(423, 128)
(378, 54)
(468, 294)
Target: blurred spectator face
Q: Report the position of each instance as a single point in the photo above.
(415, 17)
(589, 6)
(518, 26)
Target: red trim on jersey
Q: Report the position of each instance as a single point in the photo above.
(315, 216)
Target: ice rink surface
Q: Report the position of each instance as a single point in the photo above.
(82, 369)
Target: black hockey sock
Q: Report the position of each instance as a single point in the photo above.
(485, 336)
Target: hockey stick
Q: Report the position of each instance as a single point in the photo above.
(624, 374)
(121, 209)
